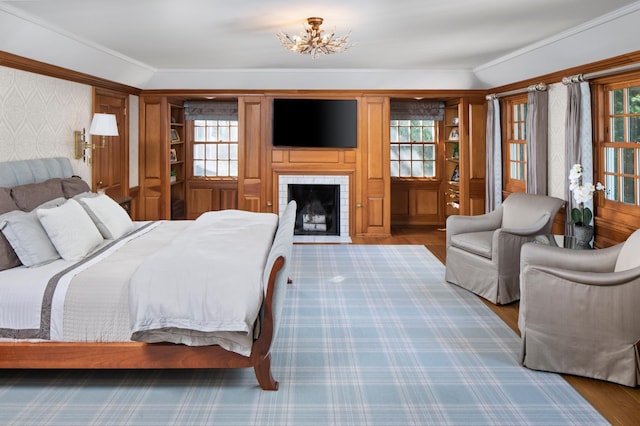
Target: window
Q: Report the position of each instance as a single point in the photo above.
(413, 148)
(515, 146)
(215, 148)
(621, 147)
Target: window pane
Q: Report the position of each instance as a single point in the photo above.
(611, 160)
(395, 155)
(429, 152)
(427, 134)
(416, 134)
(233, 168)
(403, 134)
(211, 168)
(405, 168)
(628, 190)
(617, 101)
(611, 183)
(233, 134)
(628, 161)
(634, 100)
(416, 152)
(516, 131)
(211, 152)
(416, 169)
(634, 129)
(523, 131)
(233, 152)
(198, 134)
(212, 134)
(429, 169)
(395, 169)
(198, 151)
(394, 133)
(223, 134)
(223, 151)
(198, 168)
(617, 126)
(223, 168)
(405, 152)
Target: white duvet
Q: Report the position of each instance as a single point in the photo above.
(208, 280)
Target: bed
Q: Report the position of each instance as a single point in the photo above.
(118, 294)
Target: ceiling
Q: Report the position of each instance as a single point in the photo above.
(225, 35)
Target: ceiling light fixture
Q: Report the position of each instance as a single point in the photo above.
(313, 41)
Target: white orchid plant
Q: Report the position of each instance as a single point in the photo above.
(581, 215)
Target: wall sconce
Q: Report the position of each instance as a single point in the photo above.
(101, 125)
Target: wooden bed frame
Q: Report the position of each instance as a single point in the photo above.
(136, 355)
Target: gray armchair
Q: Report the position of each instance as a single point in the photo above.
(579, 311)
(483, 252)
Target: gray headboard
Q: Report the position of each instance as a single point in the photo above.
(14, 173)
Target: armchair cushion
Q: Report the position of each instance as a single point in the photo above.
(474, 242)
(628, 257)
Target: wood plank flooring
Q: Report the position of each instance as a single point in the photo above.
(620, 405)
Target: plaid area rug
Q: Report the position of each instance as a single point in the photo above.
(371, 335)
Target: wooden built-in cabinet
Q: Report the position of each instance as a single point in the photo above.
(162, 154)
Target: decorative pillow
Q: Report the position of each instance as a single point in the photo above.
(8, 257)
(27, 236)
(628, 257)
(6, 202)
(30, 196)
(70, 229)
(73, 186)
(110, 218)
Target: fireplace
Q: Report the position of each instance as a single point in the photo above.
(318, 208)
(339, 185)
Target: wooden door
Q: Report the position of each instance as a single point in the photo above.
(110, 165)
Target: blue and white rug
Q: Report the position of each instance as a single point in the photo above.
(371, 335)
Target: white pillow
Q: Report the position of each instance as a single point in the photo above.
(27, 236)
(70, 229)
(110, 218)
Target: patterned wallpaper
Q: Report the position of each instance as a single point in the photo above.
(38, 115)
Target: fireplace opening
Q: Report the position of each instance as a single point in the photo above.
(318, 211)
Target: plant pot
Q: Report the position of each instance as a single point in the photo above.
(584, 235)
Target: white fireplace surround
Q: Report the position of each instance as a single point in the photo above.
(341, 180)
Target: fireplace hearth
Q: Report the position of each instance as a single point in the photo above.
(318, 208)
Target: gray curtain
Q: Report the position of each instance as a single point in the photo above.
(537, 140)
(417, 110)
(211, 110)
(493, 180)
(572, 148)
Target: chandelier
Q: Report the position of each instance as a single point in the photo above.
(313, 41)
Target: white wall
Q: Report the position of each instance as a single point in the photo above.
(38, 115)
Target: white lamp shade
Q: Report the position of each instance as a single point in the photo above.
(103, 125)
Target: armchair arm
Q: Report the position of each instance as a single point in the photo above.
(532, 229)
(591, 278)
(462, 224)
(601, 260)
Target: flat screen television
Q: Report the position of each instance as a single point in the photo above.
(315, 123)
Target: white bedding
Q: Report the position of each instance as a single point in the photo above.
(209, 279)
(220, 252)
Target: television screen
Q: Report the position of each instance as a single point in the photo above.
(317, 123)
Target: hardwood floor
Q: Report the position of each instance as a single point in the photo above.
(620, 405)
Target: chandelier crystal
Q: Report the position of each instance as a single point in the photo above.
(313, 41)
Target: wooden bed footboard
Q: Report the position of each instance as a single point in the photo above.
(136, 355)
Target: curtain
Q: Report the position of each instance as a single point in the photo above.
(417, 110)
(493, 179)
(578, 142)
(211, 110)
(537, 140)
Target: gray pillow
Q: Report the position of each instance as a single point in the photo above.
(27, 236)
(6, 202)
(32, 195)
(73, 186)
(8, 257)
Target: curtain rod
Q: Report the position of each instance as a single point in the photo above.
(540, 87)
(584, 77)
